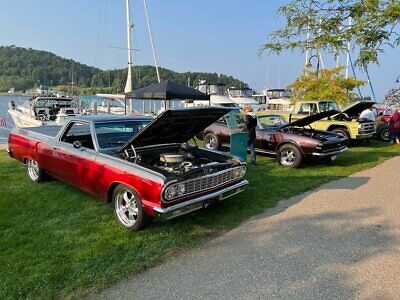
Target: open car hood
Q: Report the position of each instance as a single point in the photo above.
(311, 119)
(357, 107)
(176, 126)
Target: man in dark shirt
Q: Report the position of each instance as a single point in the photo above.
(251, 124)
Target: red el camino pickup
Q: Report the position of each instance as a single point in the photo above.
(145, 166)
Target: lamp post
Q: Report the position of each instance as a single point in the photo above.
(309, 62)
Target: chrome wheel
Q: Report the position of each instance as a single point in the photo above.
(126, 207)
(33, 170)
(385, 135)
(288, 158)
(211, 142)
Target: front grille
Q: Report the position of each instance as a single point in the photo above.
(204, 183)
(208, 182)
(333, 146)
(367, 128)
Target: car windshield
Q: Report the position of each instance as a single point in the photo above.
(114, 134)
(327, 105)
(271, 121)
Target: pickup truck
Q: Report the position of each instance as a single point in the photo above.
(345, 123)
(144, 166)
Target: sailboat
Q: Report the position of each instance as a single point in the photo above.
(119, 99)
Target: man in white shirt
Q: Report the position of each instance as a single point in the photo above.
(368, 114)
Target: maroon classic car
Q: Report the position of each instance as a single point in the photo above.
(145, 167)
(290, 143)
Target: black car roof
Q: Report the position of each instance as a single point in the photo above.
(109, 118)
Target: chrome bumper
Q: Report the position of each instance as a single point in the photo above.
(320, 154)
(199, 202)
(364, 135)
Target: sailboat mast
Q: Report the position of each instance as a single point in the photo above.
(128, 85)
(348, 52)
(151, 40)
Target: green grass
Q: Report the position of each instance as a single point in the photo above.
(56, 241)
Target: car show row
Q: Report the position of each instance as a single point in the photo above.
(153, 167)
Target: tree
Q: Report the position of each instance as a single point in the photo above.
(375, 24)
(328, 85)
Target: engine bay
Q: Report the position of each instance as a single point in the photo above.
(182, 160)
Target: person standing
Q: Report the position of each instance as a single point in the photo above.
(394, 126)
(251, 124)
(368, 114)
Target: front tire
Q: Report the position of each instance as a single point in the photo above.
(128, 208)
(35, 172)
(384, 134)
(211, 141)
(342, 132)
(289, 156)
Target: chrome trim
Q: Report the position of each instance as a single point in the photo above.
(330, 153)
(364, 135)
(167, 213)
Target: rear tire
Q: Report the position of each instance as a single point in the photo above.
(128, 209)
(211, 141)
(35, 172)
(289, 156)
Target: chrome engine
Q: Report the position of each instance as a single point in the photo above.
(176, 162)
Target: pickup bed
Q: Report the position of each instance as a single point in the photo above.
(346, 123)
(144, 166)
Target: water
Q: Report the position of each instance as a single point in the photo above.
(4, 128)
(5, 99)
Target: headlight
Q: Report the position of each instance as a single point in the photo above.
(180, 188)
(242, 171)
(236, 173)
(170, 192)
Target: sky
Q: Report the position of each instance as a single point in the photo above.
(222, 36)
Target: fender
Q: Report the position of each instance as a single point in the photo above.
(331, 127)
(290, 142)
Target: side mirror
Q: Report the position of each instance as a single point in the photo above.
(77, 144)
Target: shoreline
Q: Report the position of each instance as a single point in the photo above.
(3, 146)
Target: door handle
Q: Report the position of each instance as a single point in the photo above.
(56, 148)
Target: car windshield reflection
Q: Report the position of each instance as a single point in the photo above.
(115, 134)
(269, 121)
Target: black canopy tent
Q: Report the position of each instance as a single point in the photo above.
(167, 90)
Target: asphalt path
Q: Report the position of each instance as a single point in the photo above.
(339, 241)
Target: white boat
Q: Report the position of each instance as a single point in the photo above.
(43, 110)
(278, 99)
(113, 104)
(217, 92)
(242, 97)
